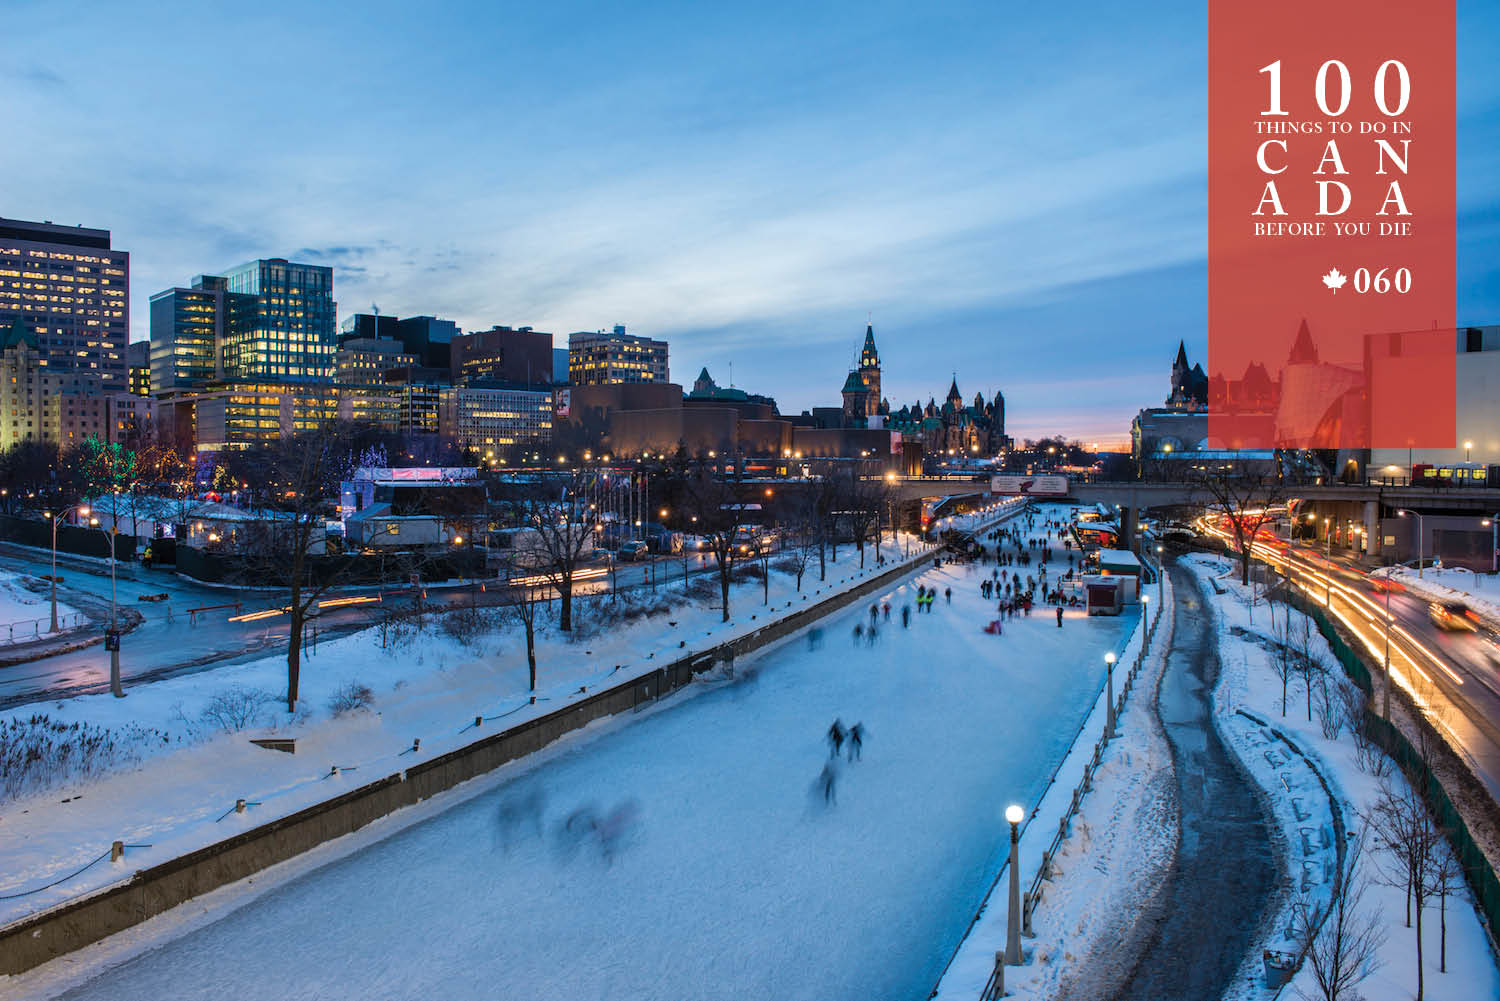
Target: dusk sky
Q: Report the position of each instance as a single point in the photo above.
(1015, 193)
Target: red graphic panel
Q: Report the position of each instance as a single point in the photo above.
(1331, 231)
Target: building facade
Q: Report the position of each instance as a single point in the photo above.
(519, 355)
(72, 290)
(489, 419)
(601, 359)
(365, 361)
(138, 361)
(291, 334)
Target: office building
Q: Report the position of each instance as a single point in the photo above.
(560, 366)
(369, 327)
(428, 338)
(188, 329)
(500, 418)
(601, 359)
(519, 355)
(366, 361)
(40, 402)
(138, 364)
(291, 335)
(72, 290)
(245, 414)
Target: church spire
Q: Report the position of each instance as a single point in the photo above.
(868, 356)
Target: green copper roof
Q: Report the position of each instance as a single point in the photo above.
(16, 334)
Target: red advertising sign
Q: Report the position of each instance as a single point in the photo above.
(1331, 224)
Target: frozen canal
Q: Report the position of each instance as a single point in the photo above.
(735, 881)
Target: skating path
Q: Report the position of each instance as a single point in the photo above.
(1224, 873)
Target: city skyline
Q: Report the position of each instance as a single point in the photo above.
(708, 180)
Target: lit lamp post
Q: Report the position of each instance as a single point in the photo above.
(1014, 814)
(1160, 572)
(1493, 521)
(83, 510)
(1468, 445)
(1421, 541)
(1109, 716)
(112, 637)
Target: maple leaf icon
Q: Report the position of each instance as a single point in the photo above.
(1335, 279)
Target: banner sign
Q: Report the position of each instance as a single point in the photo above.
(1331, 237)
(1030, 486)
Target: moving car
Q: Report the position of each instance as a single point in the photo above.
(1453, 616)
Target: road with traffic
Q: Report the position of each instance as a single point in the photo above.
(1454, 676)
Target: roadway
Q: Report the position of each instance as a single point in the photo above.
(1453, 676)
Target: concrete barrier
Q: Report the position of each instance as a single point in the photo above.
(61, 929)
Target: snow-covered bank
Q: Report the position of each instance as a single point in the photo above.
(1292, 755)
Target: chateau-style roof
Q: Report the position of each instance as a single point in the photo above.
(18, 333)
(854, 384)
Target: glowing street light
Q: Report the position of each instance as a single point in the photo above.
(1014, 815)
(1109, 716)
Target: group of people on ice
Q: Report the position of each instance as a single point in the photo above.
(838, 739)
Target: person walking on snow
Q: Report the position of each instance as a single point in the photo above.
(1059, 616)
(835, 738)
(828, 778)
(856, 741)
(905, 616)
(948, 593)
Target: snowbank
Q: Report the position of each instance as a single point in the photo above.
(26, 609)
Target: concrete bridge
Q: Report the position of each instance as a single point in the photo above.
(1366, 505)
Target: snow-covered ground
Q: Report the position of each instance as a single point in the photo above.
(1302, 809)
(24, 611)
(736, 880)
(1481, 592)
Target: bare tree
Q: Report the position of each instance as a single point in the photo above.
(286, 543)
(1243, 492)
(1409, 843)
(521, 600)
(1447, 877)
(1340, 940)
(1308, 663)
(718, 513)
(862, 499)
(1283, 655)
(557, 511)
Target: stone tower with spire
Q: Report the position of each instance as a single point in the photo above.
(869, 371)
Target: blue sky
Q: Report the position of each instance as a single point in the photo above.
(1014, 192)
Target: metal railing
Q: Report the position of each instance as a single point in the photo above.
(30, 630)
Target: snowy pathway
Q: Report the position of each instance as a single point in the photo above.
(1225, 873)
(736, 881)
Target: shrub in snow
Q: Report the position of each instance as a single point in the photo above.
(351, 697)
(237, 707)
(40, 753)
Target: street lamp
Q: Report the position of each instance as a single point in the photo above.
(1109, 716)
(112, 638)
(1467, 446)
(1014, 815)
(1385, 698)
(1327, 537)
(1493, 521)
(1403, 512)
(83, 510)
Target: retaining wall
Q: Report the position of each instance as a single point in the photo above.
(62, 929)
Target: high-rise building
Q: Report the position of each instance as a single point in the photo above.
(596, 359)
(269, 319)
(291, 335)
(369, 327)
(560, 366)
(519, 355)
(429, 339)
(72, 289)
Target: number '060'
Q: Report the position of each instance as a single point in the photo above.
(1382, 281)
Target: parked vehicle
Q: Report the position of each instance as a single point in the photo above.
(1453, 616)
(634, 550)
